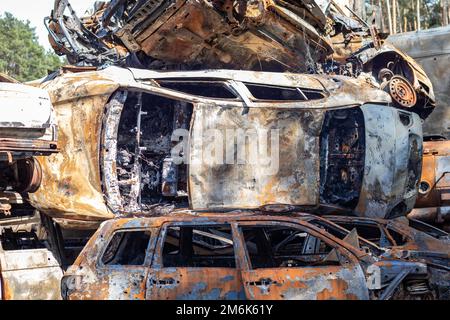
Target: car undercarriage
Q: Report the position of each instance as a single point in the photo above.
(275, 146)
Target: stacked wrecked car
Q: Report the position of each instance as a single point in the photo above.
(238, 150)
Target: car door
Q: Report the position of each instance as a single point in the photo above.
(282, 260)
(122, 266)
(195, 261)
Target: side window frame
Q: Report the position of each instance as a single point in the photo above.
(338, 228)
(149, 251)
(157, 261)
(224, 83)
(246, 261)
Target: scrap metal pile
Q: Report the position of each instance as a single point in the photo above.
(149, 79)
(261, 35)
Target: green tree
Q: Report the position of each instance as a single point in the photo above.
(21, 56)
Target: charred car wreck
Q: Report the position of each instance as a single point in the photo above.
(239, 256)
(433, 203)
(27, 129)
(331, 144)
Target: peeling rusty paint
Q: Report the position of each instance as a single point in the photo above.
(433, 203)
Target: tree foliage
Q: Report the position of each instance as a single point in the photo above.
(21, 56)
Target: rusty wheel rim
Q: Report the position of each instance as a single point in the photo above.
(402, 92)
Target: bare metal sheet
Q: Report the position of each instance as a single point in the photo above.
(287, 173)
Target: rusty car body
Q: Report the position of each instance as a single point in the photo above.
(27, 124)
(433, 202)
(400, 238)
(262, 35)
(244, 255)
(336, 144)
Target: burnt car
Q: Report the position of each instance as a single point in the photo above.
(242, 255)
(433, 202)
(262, 35)
(403, 237)
(431, 49)
(322, 142)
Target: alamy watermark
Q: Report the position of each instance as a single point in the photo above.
(215, 147)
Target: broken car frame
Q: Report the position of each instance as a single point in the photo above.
(262, 35)
(336, 145)
(239, 256)
(28, 269)
(433, 202)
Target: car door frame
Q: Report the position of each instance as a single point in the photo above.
(157, 270)
(126, 288)
(359, 290)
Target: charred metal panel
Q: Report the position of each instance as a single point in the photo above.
(393, 162)
(32, 274)
(27, 124)
(289, 174)
(108, 153)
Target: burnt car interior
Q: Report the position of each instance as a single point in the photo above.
(267, 247)
(146, 174)
(283, 246)
(194, 247)
(342, 233)
(127, 248)
(138, 143)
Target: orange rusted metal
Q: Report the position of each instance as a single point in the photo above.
(433, 203)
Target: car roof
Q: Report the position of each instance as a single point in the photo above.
(136, 220)
(257, 77)
(354, 219)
